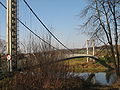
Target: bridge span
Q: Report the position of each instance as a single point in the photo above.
(81, 56)
(69, 57)
(74, 56)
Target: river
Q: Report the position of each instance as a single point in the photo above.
(101, 78)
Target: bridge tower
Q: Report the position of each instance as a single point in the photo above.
(11, 38)
(93, 47)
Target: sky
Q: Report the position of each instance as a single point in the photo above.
(61, 16)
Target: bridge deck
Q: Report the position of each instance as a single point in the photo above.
(80, 55)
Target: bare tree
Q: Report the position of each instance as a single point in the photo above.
(102, 19)
(2, 46)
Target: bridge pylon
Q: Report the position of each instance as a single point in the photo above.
(87, 47)
(11, 30)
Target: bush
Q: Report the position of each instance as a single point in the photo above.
(106, 59)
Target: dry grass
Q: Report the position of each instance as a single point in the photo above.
(29, 81)
(80, 65)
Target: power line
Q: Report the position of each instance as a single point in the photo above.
(3, 5)
(30, 29)
(45, 25)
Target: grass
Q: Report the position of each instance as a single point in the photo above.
(5, 83)
(80, 65)
(76, 61)
(92, 70)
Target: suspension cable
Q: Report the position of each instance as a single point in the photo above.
(30, 29)
(45, 26)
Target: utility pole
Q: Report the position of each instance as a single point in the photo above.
(87, 42)
(12, 34)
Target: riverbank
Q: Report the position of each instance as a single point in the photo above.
(81, 65)
(27, 81)
(22, 81)
(115, 86)
(35, 80)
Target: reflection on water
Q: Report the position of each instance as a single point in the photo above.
(102, 78)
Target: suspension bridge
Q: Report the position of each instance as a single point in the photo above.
(13, 42)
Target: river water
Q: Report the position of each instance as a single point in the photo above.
(101, 78)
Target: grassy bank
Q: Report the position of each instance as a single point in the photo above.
(81, 65)
(30, 81)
